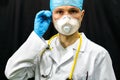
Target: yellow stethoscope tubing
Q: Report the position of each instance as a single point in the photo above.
(75, 58)
(76, 55)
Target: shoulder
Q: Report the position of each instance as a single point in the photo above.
(95, 51)
(92, 47)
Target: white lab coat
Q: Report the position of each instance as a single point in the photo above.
(93, 63)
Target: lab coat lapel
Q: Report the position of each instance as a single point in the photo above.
(69, 55)
(54, 55)
(70, 52)
(54, 52)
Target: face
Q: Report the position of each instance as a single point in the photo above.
(67, 19)
(67, 10)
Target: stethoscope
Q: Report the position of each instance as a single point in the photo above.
(74, 62)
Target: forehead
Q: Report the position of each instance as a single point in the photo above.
(66, 8)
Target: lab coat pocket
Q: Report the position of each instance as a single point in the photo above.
(85, 76)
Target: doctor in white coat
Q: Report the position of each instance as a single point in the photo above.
(68, 55)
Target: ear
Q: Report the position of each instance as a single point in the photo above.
(82, 13)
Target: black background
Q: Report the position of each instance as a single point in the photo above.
(101, 24)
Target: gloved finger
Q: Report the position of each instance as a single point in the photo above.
(44, 14)
(47, 13)
(40, 13)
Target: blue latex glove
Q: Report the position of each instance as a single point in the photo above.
(42, 22)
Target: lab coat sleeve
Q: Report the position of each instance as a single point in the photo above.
(103, 68)
(20, 65)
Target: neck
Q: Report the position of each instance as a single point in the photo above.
(68, 40)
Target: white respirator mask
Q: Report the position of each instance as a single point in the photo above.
(67, 25)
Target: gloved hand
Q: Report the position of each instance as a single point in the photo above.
(42, 22)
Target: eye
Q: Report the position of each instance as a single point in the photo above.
(59, 12)
(73, 11)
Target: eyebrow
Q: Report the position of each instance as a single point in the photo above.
(74, 8)
(68, 9)
(59, 9)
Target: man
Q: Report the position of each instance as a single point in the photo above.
(68, 55)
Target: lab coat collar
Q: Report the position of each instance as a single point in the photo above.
(71, 50)
(69, 55)
(84, 43)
